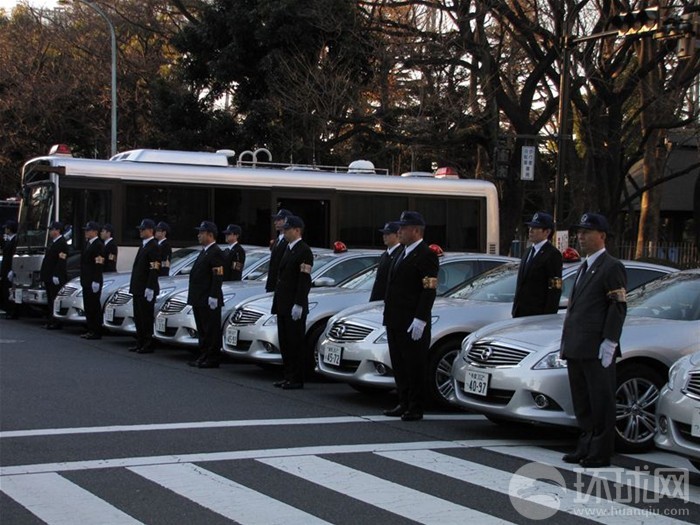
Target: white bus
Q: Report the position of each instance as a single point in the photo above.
(184, 188)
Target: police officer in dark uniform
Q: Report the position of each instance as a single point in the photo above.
(7, 275)
(166, 251)
(53, 271)
(234, 255)
(205, 296)
(144, 287)
(277, 248)
(91, 268)
(390, 236)
(110, 248)
(407, 310)
(590, 343)
(538, 288)
(291, 303)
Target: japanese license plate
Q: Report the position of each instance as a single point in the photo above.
(18, 295)
(231, 336)
(476, 383)
(109, 314)
(695, 425)
(161, 323)
(332, 355)
(57, 306)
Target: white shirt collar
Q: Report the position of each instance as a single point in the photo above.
(108, 241)
(293, 243)
(411, 247)
(230, 246)
(592, 258)
(393, 248)
(145, 241)
(209, 246)
(538, 246)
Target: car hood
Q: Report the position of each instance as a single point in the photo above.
(371, 314)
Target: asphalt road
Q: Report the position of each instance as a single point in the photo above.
(91, 433)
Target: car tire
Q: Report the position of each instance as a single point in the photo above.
(439, 380)
(638, 389)
(695, 463)
(312, 338)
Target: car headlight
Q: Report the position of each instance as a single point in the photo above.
(272, 321)
(434, 319)
(107, 283)
(676, 377)
(550, 361)
(467, 343)
(228, 297)
(382, 339)
(312, 306)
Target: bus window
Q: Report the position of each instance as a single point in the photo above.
(316, 216)
(250, 209)
(36, 214)
(78, 206)
(452, 223)
(361, 215)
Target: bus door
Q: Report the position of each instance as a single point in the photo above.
(316, 213)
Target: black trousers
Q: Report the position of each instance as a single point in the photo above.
(292, 347)
(593, 395)
(409, 360)
(93, 311)
(51, 294)
(143, 319)
(208, 324)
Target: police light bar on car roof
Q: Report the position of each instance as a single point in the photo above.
(570, 255)
(437, 249)
(446, 173)
(339, 247)
(61, 150)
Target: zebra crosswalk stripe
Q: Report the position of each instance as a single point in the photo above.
(564, 501)
(386, 495)
(224, 496)
(58, 501)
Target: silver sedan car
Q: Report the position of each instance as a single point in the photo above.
(511, 370)
(361, 338)
(678, 410)
(68, 306)
(119, 310)
(250, 331)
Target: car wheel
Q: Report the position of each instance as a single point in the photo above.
(440, 359)
(638, 388)
(311, 358)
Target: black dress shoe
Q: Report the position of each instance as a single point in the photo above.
(574, 457)
(280, 384)
(595, 462)
(92, 336)
(207, 364)
(411, 416)
(52, 326)
(84, 335)
(134, 349)
(292, 386)
(144, 350)
(397, 411)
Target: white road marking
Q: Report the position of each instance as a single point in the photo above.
(254, 454)
(386, 495)
(565, 500)
(224, 496)
(58, 501)
(224, 424)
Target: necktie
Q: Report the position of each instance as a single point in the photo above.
(530, 257)
(580, 276)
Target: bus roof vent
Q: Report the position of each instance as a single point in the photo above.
(361, 166)
(160, 156)
(417, 174)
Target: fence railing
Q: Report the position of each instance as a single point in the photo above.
(683, 254)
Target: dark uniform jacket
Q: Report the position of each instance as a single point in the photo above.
(111, 250)
(412, 288)
(91, 264)
(206, 277)
(382, 278)
(293, 280)
(54, 263)
(8, 252)
(234, 261)
(539, 283)
(166, 254)
(277, 250)
(597, 309)
(146, 268)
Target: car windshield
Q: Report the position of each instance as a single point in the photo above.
(675, 297)
(496, 286)
(181, 254)
(362, 281)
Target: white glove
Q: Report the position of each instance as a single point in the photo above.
(10, 275)
(606, 352)
(213, 303)
(56, 281)
(5, 237)
(148, 294)
(416, 329)
(297, 310)
(95, 287)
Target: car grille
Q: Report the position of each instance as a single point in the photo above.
(686, 432)
(245, 317)
(494, 396)
(487, 354)
(173, 306)
(346, 365)
(117, 321)
(66, 291)
(343, 332)
(692, 388)
(120, 298)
